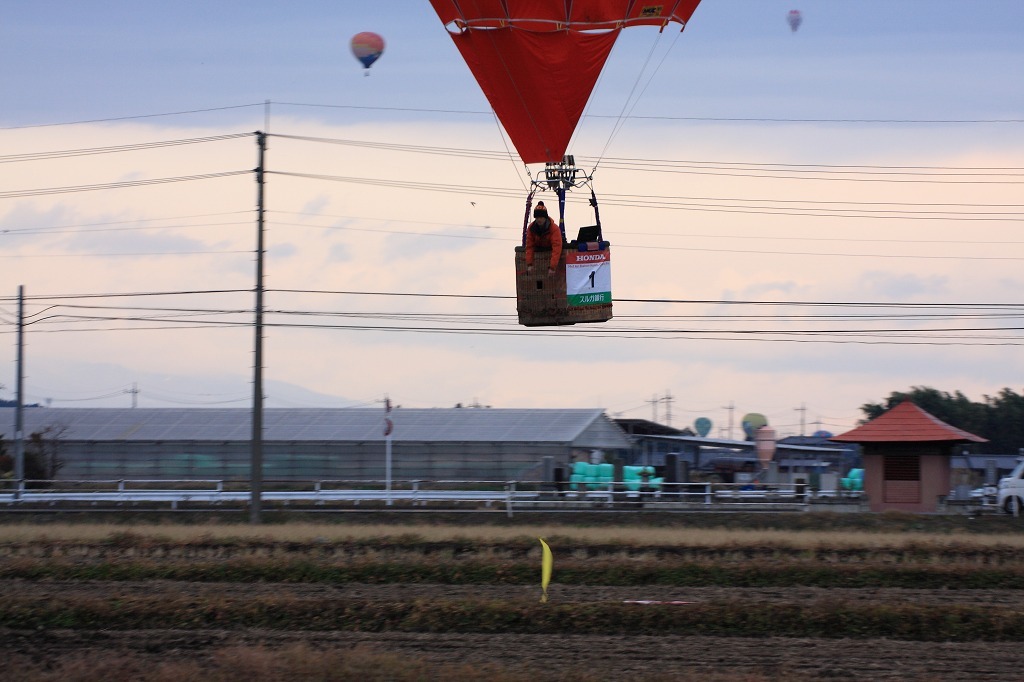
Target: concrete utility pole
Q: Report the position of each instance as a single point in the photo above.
(19, 410)
(731, 406)
(803, 417)
(668, 407)
(256, 449)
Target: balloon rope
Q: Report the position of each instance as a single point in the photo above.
(526, 217)
(597, 215)
(620, 121)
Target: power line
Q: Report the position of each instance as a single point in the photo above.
(711, 119)
(109, 226)
(669, 165)
(113, 254)
(57, 229)
(631, 233)
(68, 153)
(675, 301)
(116, 185)
(958, 335)
(664, 202)
(666, 335)
(132, 117)
(59, 297)
(164, 312)
(723, 119)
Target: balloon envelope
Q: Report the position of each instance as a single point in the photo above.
(764, 443)
(538, 61)
(703, 426)
(794, 19)
(752, 422)
(367, 47)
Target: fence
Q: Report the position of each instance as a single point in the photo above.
(411, 494)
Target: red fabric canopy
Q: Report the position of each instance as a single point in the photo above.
(537, 61)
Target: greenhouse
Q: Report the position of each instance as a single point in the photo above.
(458, 444)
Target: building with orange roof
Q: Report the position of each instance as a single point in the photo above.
(906, 453)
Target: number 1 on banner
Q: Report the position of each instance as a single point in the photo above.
(588, 277)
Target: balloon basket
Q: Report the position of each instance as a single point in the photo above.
(541, 298)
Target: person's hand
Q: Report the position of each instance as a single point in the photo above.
(551, 271)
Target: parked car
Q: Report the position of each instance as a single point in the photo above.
(723, 469)
(1011, 490)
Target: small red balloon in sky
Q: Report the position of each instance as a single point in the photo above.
(367, 48)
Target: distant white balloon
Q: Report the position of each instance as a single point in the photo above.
(794, 19)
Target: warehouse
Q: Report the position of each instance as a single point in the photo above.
(465, 444)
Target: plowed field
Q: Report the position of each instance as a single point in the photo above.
(57, 625)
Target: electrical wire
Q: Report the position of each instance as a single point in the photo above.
(481, 112)
(92, 151)
(637, 164)
(931, 335)
(132, 117)
(10, 194)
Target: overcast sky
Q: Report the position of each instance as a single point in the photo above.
(874, 156)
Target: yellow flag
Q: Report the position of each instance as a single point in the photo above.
(545, 570)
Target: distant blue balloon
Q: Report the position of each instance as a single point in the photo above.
(703, 426)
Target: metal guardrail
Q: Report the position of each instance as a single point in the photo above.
(522, 495)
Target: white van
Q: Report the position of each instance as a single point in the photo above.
(1011, 490)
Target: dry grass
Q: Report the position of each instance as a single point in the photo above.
(605, 535)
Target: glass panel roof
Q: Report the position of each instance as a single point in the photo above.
(347, 424)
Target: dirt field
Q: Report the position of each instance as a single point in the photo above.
(535, 657)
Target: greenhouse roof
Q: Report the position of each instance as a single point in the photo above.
(342, 424)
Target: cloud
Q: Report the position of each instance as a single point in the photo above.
(899, 286)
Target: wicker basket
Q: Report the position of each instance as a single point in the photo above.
(541, 298)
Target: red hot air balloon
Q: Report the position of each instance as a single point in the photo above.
(367, 48)
(795, 19)
(537, 62)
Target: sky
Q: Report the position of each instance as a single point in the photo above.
(801, 222)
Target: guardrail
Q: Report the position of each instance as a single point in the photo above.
(512, 495)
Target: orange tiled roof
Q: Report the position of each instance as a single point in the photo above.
(906, 423)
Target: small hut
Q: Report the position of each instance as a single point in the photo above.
(907, 458)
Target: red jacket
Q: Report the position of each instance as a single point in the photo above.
(553, 237)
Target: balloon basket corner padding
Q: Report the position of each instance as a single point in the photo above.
(541, 298)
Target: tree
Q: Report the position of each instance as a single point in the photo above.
(6, 461)
(42, 454)
(1000, 419)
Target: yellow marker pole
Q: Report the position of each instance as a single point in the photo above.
(545, 570)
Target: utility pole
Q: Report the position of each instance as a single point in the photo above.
(803, 417)
(668, 407)
(134, 391)
(389, 426)
(729, 407)
(19, 411)
(654, 405)
(256, 450)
